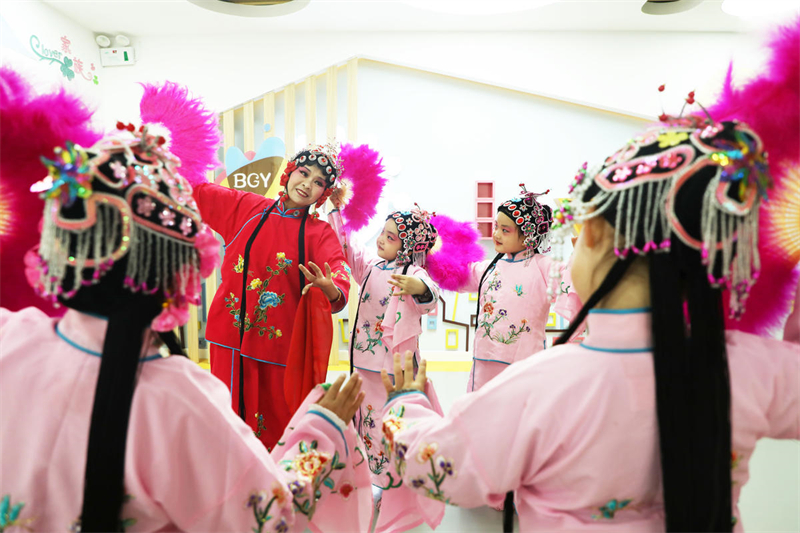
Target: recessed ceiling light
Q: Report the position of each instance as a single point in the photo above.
(478, 7)
(668, 7)
(102, 41)
(759, 8)
(252, 8)
(122, 40)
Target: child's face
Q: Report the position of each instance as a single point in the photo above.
(508, 239)
(389, 242)
(306, 185)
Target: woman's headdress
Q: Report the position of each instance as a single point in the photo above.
(326, 157)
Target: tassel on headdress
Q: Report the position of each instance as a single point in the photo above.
(124, 198)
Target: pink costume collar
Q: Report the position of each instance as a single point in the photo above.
(619, 330)
(87, 333)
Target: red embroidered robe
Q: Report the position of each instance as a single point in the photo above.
(273, 295)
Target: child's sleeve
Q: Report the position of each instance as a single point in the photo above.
(354, 253)
(476, 271)
(567, 302)
(470, 457)
(244, 488)
(328, 250)
(223, 208)
(427, 303)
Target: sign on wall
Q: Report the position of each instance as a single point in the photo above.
(254, 171)
(71, 65)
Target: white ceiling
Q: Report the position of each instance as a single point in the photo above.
(140, 18)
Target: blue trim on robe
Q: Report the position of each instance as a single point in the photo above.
(629, 311)
(94, 353)
(326, 417)
(617, 350)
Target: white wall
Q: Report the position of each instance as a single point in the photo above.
(619, 70)
(21, 20)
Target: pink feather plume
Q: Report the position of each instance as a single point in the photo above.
(770, 104)
(193, 129)
(31, 126)
(363, 168)
(449, 266)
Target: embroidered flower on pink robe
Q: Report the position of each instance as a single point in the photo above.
(447, 466)
(309, 465)
(279, 493)
(345, 489)
(426, 452)
(392, 424)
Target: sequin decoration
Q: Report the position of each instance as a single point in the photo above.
(68, 176)
(145, 206)
(186, 226)
(167, 217)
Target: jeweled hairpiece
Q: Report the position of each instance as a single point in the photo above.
(645, 180)
(325, 156)
(123, 198)
(417, 234)
(533, 219)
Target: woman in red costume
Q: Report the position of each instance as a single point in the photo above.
(274, 251)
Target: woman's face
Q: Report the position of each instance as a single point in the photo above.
(507, 237)
(306, 185)
(389, 242)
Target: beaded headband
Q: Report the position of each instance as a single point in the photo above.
(646, 179)
(417, 234)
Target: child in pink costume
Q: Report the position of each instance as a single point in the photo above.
(396, 292)
(649, 423)
(191, 464)
(105, 426)
(513, 290)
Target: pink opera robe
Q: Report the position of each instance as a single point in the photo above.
(191, 463)
(513, 308)
(574, 431)
(386, 325)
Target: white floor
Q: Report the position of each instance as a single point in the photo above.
(770, 501)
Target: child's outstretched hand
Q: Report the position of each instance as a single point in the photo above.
(408, 285)
(404, 380)
(343, 401)
(338, 196)
(323, 281)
